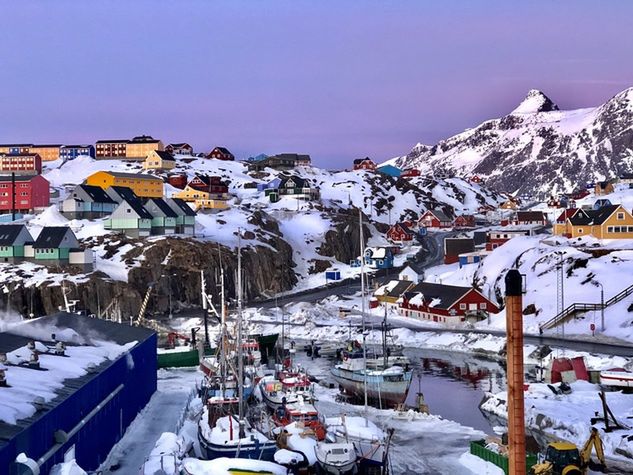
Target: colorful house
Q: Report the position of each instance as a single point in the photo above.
(13, 238)
(608, 222)
(389, 170)
(626, 179)
(476, 179)
(445, 303)
(221, 153)
(412, 272)
(603, 188)
(158, 160)
(474, 257)
(179, 149)
(498, 237)
(54, 244)
(410, 173)
(31, 193)
(185, 216)
(88, 202)
(121, 193)
(23, 164)
(364, 164)
(206, 192)
(271, 185)
(453, 247)
(293, 186)
(601, 203)
(107, 149)
(464, 221)
(131, 218)
(282, 161)
(400, 232)
(522, 218)
(70, 152)
(379, 257)
(48, 153)
(510, 203)
(139, 147)
(435, 218)
(391, 293)
(144, 186)
(164, 218)
(16, 149)
(177, 180)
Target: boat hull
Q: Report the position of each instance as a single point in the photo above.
(379, 391)
(255, 450)
(620, 379)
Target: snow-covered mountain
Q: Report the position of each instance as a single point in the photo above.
(537, 149)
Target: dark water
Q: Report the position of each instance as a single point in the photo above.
(454, 384)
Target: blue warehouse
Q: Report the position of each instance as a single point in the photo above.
(94, 377)
(70, 152)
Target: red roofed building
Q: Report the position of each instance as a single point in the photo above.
(364, 164)
(30, 193)
(562, 227)
(464, 221)
(435, 219)
(400, 232)
(410, 172)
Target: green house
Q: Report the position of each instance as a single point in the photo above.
(163, 217)
(13, 237)
(186, 217)
(132, 218)
(54, 244)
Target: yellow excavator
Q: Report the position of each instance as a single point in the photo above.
(563, 458)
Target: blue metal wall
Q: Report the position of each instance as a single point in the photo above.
(94, 441)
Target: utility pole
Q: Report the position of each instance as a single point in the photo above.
(601, 307)
(516, 403)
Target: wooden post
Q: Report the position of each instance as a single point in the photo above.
(516, 410)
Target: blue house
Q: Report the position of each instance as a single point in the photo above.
(379, 257)
(390, 170)
(271, 185)
(601, 203)
(70, 152)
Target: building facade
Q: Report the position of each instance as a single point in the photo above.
(48, 153)
(29, 194)
(139, 147)
(108, 149)
(157, 160)
(23, 164)
(144, 186)
(70, 152)
(221, 153)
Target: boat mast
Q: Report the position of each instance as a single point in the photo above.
(240, 362)
(362, 306)
(384, 340)
(223, 348)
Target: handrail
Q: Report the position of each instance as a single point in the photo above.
(578, 307)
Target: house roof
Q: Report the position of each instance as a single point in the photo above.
(51, 237)
(76, 146)
(113, 141)
(404, 227)
(439, 214)
(179, 145)
(182, 205)
(300, 182)
(16, 145)
(603, 184)
(446, 294)
(142, 176)
(164, 155)
(96, 194)
(626, 176)
(144, 139)
(164, 207)
(9, 233)
(223, 150)
(54, 145)
(415, 267)
(400, 288)
(530, 216)
(139, 209)
(358, 161)
(456, 246)
(124, 192)
(18, 177)
(480, 237)
(591, 217)
(568, 213)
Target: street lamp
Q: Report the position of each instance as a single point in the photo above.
(601, 306)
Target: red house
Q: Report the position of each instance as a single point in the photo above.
(400, 232)
(177, 180)
(209, 184)
(476, 179)
(522, 218)
(445, 303)
(364, 164)
(22, 164)
(435, 219)
(30, 193)
(221, 153)
(410, 173)
(498, 237)
(464, 221)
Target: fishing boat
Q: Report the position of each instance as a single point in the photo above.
(302, 413)
(616, 377)
(337, 458)
(288, 388)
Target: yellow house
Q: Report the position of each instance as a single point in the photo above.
(603, 188)
(47, 152)
(145, 186)
(157, 160)
(608, 222)
(202, 199)
(509, 204)
(562, 225)
(139, 147)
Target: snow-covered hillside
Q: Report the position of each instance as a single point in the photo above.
(302, 225)
(537, 149)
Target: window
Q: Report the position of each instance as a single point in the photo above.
(616, 229)
(462, 306)
(609, 229)
(483, 306)
(620, 216)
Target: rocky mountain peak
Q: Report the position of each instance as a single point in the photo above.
(535, 101)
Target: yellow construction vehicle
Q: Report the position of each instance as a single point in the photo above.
(563, 458)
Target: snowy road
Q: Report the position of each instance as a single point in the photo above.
(160, 415)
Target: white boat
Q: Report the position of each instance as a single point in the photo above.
(337, 458)
(290, 388)
(370, 442)
(616, 377)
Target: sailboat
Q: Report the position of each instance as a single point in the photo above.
(385, 385)
(220, 433)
